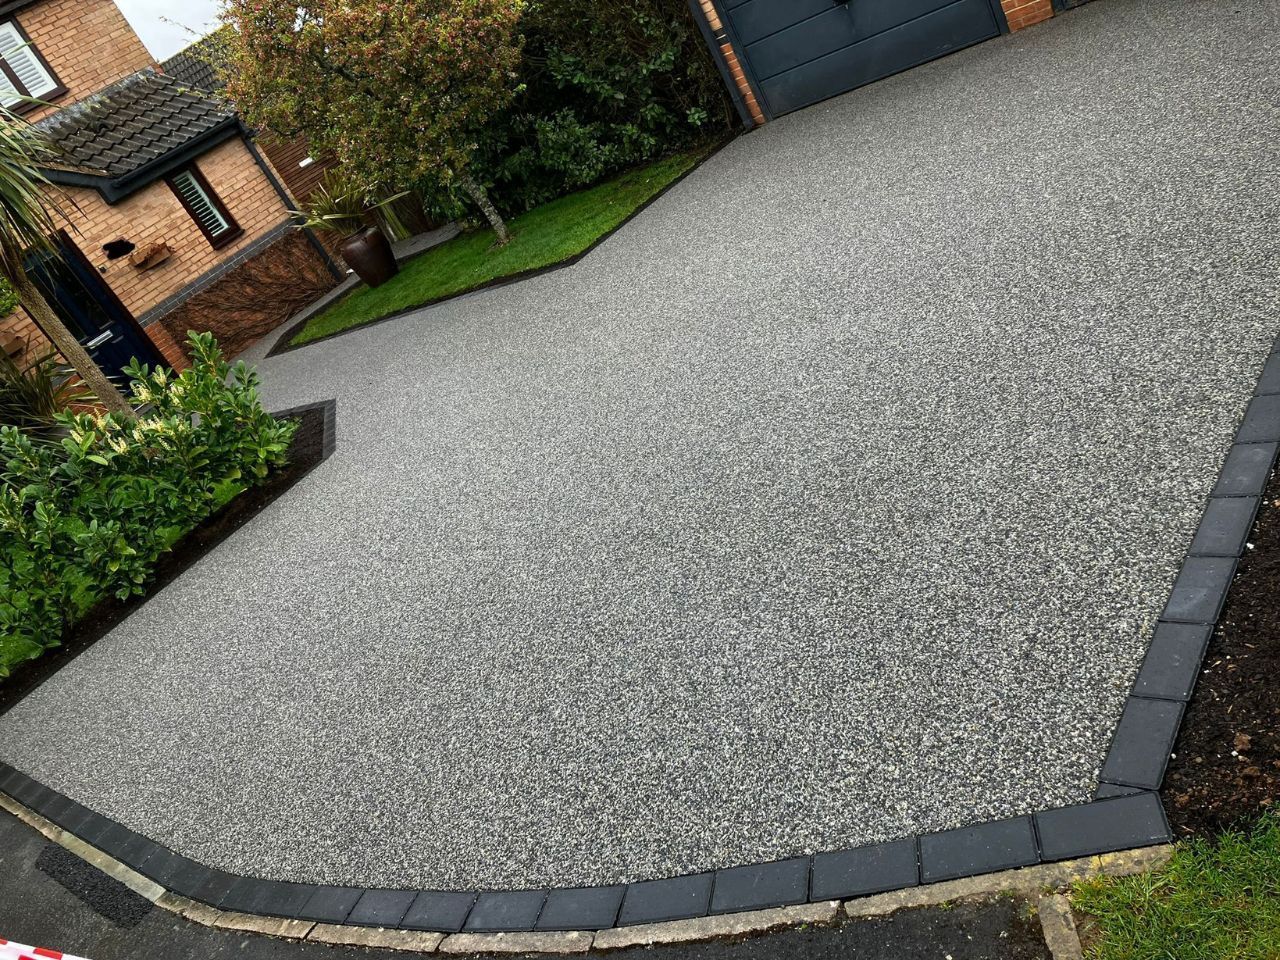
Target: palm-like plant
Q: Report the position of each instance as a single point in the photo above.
(29, 215)
(32, 395)
(337, 205)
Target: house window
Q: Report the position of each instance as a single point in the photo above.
(205, 208)
(24, 75)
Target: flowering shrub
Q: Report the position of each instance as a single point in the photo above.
(88, 517)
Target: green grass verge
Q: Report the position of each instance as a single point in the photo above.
(1213, 901)
(543, 237)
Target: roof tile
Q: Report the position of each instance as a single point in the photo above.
(123, 127)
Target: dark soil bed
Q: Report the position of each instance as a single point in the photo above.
(1226, 766)
(311, 444)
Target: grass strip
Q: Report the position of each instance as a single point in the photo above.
(543, 237)
(1216, 900)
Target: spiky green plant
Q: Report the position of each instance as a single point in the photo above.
(32, 394)
(338, 206)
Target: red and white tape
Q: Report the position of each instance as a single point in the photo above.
(20, 951)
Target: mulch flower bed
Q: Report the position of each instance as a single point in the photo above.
(1226, 766)
(306, 451)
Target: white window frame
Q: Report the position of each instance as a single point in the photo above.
(217, 224)
(39, 83)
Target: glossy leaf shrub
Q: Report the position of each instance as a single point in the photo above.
(603, 87)
(86, 516)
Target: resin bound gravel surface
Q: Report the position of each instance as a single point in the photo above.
(831, 500)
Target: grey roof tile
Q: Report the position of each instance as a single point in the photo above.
(198, 65)
(141, 118)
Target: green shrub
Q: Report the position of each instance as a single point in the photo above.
(88, 517)
(9, 299)
(604, 87)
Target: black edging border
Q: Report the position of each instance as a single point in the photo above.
(1126, 813)
(329, 441)
(282, 345)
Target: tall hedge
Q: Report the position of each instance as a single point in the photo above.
(605, 86)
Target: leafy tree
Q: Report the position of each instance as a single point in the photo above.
(398, 92)
(29, 211)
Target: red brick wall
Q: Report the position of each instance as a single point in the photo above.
(1023, 13)
(21, 338)
(155, 214)
(170, 347)
(254, 298)
(87, 43)
(247, 302)
(731, 61)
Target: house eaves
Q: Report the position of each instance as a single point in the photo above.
(13, 6)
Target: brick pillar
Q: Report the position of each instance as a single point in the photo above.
(169, 348)
(732, 62)
(1024, 13)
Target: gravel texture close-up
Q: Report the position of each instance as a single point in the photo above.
(831, 500)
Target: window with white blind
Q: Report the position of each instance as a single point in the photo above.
(204, 206)
(23, 73)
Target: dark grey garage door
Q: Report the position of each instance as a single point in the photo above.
(803, 51)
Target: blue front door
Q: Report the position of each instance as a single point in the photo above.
(81, 298)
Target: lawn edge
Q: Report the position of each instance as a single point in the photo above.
(284, 345)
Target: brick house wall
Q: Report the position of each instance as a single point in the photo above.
(21, 338)
(156, 214)
(731, 61)
(87, 43)
(88, 46)
(252, 298)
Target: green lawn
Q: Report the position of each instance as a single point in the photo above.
(542, 237)
(1213, 901)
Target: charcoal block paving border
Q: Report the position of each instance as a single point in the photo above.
(1127, 812)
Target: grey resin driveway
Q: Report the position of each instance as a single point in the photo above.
(830, 501)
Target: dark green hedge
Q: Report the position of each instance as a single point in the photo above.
(606, 86)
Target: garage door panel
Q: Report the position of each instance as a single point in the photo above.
(957, 25)
(757, 19)
(835, 27)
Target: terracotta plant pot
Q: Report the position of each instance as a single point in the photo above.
(368, 253)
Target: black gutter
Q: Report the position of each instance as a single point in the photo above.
(13, 6)
(290, 203)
